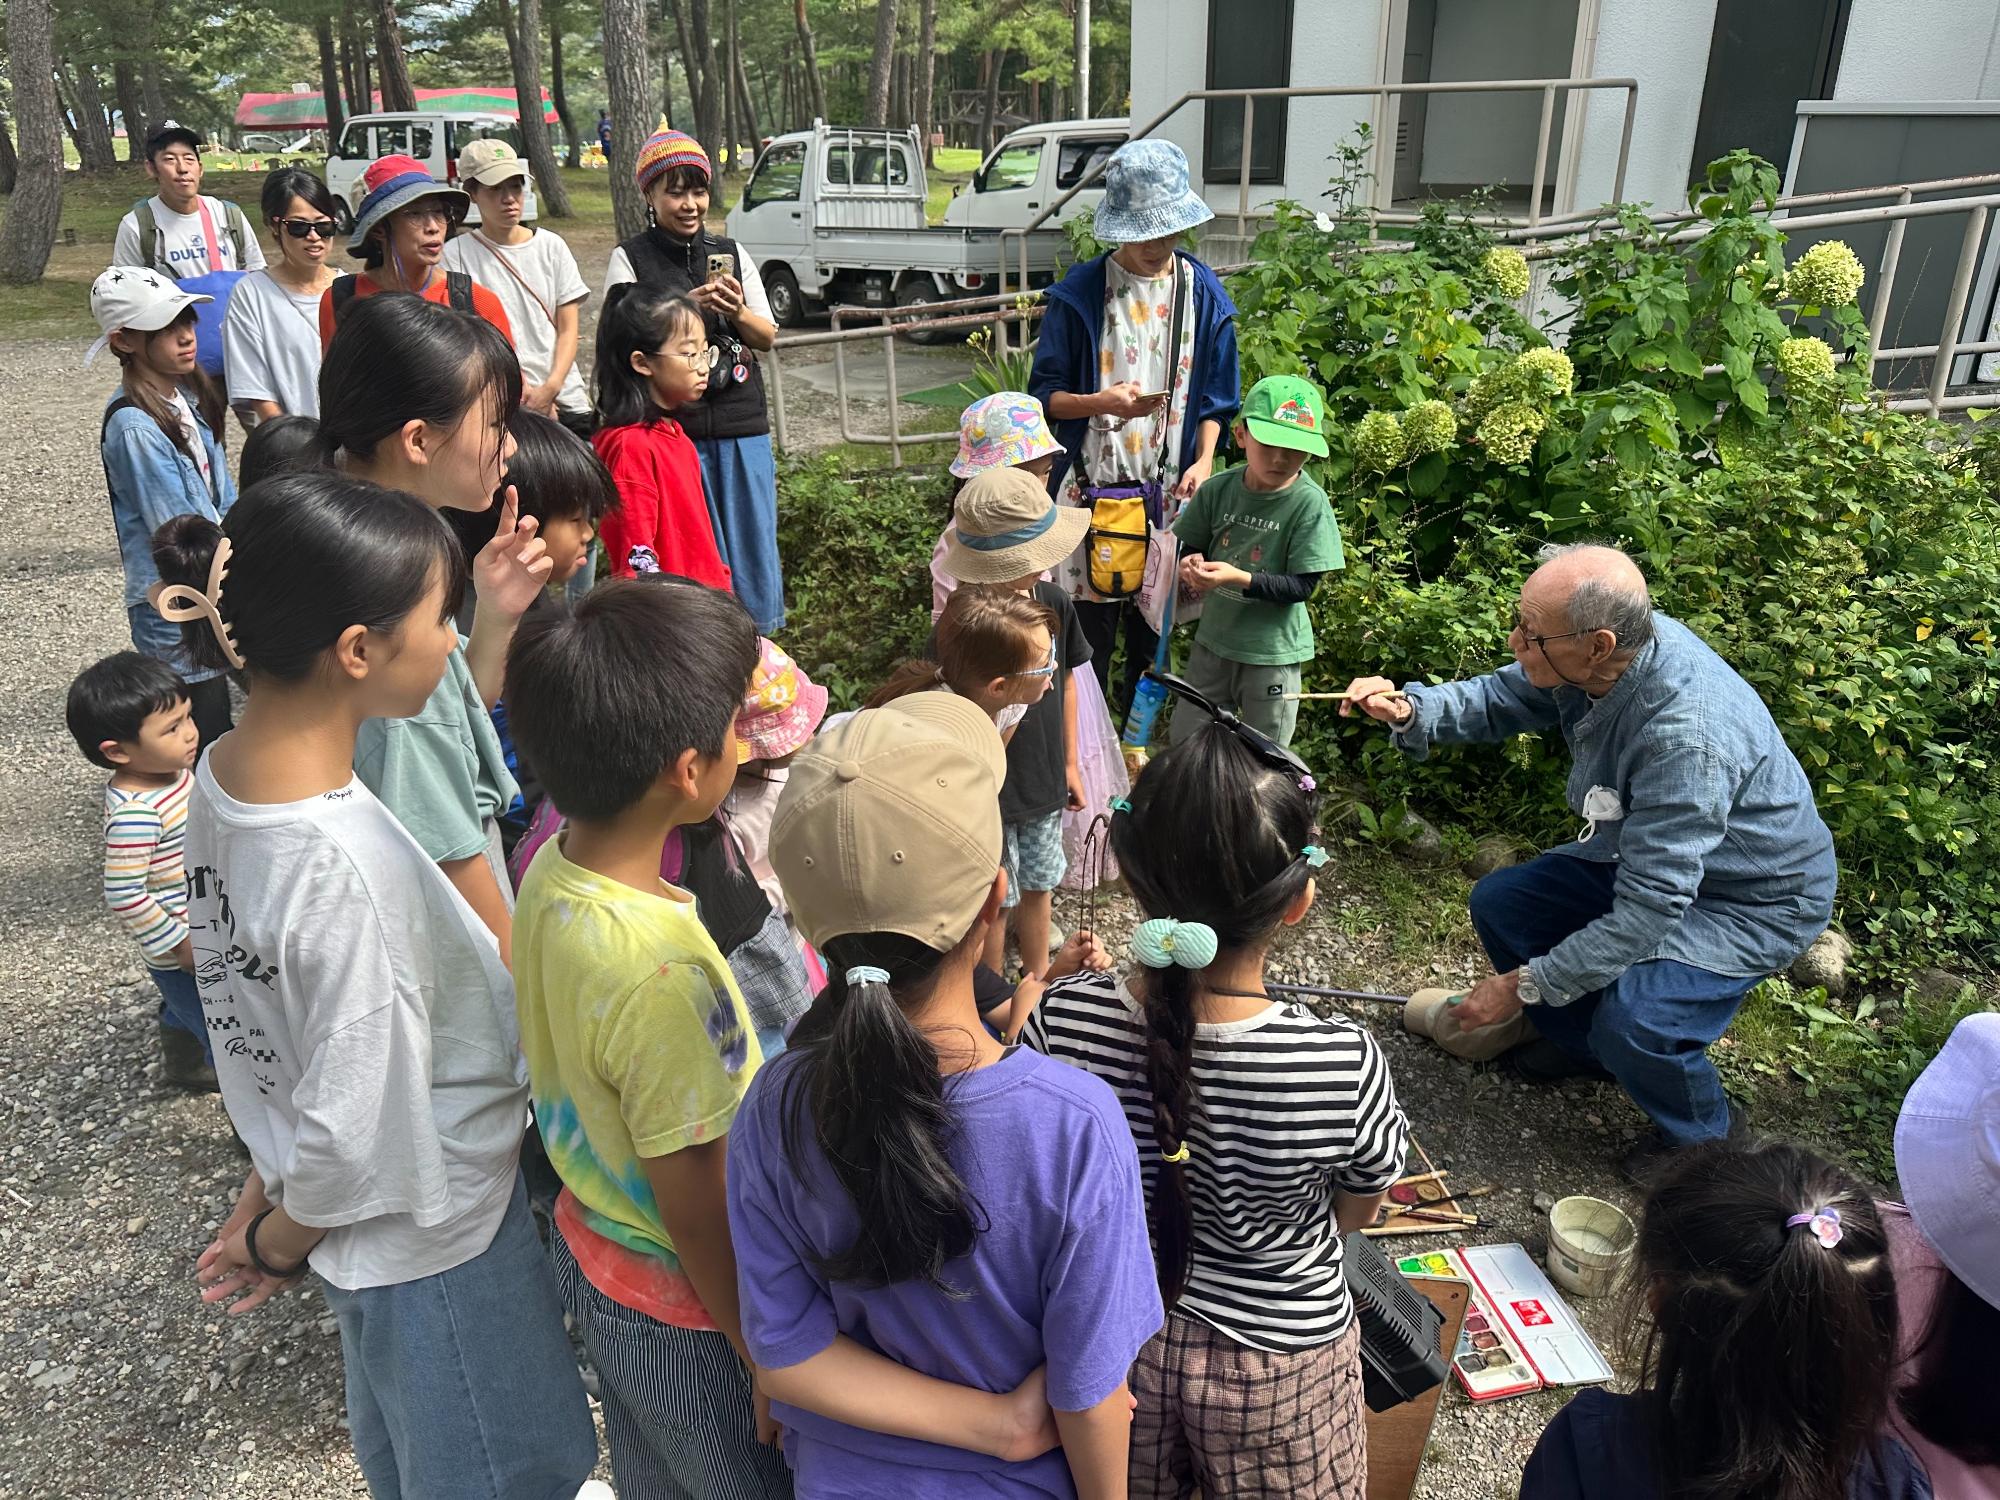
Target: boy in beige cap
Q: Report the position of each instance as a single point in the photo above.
(1006, 531)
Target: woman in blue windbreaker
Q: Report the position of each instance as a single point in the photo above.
(1137, 369)
(162, 453)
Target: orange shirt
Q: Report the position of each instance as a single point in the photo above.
(483, 302)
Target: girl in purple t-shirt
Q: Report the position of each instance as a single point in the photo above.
(861, 1200)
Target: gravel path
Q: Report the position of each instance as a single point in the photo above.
(114, 1379)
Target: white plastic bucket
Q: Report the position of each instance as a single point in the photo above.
(1589, 1243)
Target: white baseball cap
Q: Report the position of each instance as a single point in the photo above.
(1948, 1154)
(136, 298)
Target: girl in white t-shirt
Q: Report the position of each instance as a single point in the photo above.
(991, 645)
(362, 1019)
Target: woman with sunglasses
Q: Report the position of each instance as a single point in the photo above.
(1264, 1131)
(270, 337)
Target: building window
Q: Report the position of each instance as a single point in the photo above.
(1249, 46)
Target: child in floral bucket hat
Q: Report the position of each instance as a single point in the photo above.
(781, 712)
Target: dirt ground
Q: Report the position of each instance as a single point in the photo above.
(116, 1381)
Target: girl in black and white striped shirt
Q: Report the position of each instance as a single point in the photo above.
(1264, 1131)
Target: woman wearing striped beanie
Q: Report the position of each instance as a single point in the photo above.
(730, 424)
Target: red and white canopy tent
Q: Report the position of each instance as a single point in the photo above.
(308, 111)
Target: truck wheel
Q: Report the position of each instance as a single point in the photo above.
(343, 216)
(917, 293)
(781, 289)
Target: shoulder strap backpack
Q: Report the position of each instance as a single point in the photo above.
(234, 224)
(457, 292)
(1122, 515)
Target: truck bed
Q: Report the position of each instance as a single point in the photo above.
(944, 250)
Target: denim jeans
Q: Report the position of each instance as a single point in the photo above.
(1649, 1028)
(180, 1004)
(461, 1386)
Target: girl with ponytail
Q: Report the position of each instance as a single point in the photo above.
(364, 1029)
(865, 1196)
(1264, 1131)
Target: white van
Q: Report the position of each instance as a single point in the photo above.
(433, 137)
(1032, 168)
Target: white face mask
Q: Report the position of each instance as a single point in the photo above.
(1600, 805)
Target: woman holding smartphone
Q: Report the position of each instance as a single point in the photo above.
(729, 424)
(1136, 368)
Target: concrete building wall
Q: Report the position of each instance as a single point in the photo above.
(1921, 50)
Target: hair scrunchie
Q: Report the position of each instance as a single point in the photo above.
(867, 974)
(1164, 941)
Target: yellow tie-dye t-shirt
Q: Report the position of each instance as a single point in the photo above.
(637, 1039)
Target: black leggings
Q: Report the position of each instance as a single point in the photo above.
(1100, 625)
(209, 703)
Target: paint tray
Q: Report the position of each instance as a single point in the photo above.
(1519, 1335)
(1488, 1362)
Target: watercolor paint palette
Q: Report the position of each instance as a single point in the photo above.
(1518, 1335)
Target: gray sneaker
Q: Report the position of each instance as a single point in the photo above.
(181, 1064)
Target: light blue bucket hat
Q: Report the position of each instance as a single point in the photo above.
(1146, 194)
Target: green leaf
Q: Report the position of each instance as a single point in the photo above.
(1428, 473)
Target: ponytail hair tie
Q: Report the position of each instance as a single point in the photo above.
(1313, 855)
(1824, 1224)
(867, 974)
(1163, 941)
(1176, 1156)
(178, 603)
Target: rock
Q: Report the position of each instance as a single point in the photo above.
(1824, 964)
(1422, 842)
(1937, 986)
(136, 1223)
(238, 1363)
(1543, 1202)
(1493, 852)
(54, 1378)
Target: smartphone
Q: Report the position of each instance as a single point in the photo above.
(721, 265)
(1153, 396)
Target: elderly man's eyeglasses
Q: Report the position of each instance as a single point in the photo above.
(1541, 642)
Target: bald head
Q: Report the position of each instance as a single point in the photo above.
(1595, 588)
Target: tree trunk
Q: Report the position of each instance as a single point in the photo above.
(28, 232)
(558, 91)
(10, 165)
(752, 126)
(876, 111)
(926, 74)
(329, 80)
(989, 135)
(152, 98)
(690, 65)
(815, 91)
(68, 115)
(524, 47)
(730, 117)
(93, 129)
(625, 77)
(708, 102)
(125, 85)
(397, 92)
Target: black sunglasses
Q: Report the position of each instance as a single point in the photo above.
(299, 229)
(1266, 749)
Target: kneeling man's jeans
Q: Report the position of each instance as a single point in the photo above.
(1649, 1028)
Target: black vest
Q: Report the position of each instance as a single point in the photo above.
(730, 408)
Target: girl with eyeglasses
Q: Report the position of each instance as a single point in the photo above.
(992, 646)
(270, 335)
(653, 360)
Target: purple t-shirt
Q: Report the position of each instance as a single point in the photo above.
(1061, 1274)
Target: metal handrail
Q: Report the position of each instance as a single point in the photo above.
(1381, 93)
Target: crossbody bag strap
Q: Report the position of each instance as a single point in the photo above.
(507, 265)
(1173, 367)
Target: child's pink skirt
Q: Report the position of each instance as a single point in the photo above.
(1104, 777)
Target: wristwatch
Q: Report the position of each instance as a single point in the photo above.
(1529, 991)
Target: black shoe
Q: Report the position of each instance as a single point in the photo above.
(1542, 1062)
(1645, 1161)
(181, 1064)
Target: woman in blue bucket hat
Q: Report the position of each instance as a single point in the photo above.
(1145, 319)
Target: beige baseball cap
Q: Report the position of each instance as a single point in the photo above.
(890, 822)
(489, 163)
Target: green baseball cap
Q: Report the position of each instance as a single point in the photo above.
(1286, 412)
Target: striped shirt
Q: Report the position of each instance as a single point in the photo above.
(144, 882)
(1289, 1109)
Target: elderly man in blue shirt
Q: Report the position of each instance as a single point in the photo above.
(1702, 865)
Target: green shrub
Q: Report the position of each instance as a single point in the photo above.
(857, 569)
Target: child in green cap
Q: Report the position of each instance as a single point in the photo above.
(1255, 540)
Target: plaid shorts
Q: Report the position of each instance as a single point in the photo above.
(1225, 1419)
(1032, 852)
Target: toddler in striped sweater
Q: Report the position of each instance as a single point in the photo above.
(130, 714)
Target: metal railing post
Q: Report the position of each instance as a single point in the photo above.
(1542, 153)
(1625, 142)
(1243, 169)
(1885, 281)
(775, 367)
(1954, 312)
(889, 361)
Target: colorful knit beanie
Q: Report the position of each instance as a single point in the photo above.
(665, 150)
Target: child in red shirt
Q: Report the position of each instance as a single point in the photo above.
(653, 355)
